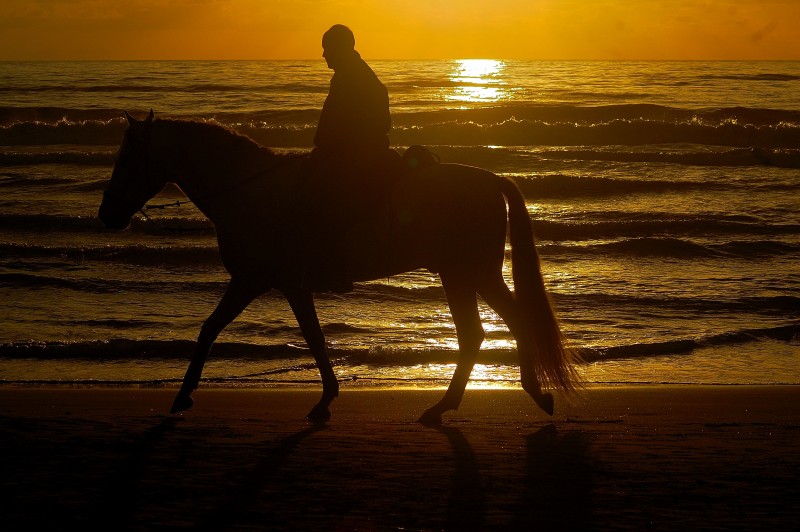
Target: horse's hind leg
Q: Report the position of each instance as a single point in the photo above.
(302, 303)
(463, 303)
(235, 300)
(497, 295)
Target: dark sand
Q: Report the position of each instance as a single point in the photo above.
(631, 458)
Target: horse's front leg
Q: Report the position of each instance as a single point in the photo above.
(236, 298)
(302, 303)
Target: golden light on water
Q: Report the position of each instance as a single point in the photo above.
(478, 80)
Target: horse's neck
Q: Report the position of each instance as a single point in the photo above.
(210, 167)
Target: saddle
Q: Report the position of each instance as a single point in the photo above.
(417, 157)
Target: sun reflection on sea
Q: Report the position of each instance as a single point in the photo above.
(438, 375)
(478, 80)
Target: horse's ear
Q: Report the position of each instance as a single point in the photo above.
(131, 120)
(149, 119)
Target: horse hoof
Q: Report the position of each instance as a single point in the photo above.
(430, 419)
(545, 402)
(319, 414)
(181, 403)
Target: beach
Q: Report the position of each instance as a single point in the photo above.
(649, 457)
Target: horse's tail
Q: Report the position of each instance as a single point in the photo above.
(551, 361)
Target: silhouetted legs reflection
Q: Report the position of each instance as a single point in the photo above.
(466, 507)
(557, 495)
(123, 493)
(245, 494)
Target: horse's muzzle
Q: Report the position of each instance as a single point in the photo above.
(111, 219)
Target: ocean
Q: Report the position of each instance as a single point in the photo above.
(664, 195)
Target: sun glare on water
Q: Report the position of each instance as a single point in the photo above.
(478, 80)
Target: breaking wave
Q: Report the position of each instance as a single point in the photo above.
(510, 125)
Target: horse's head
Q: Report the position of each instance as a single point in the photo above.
(132, 181)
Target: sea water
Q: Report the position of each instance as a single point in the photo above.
(664, 197)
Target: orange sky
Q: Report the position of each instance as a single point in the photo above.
(401, 29)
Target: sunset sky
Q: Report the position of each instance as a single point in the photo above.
(401, 29)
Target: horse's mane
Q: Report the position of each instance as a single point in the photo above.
(202, 131)
(239, 153)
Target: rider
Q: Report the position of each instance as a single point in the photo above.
(352, 163)
(355, 119)
(354, 126)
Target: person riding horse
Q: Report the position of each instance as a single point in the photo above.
(449, 218)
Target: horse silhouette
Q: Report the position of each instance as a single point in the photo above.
(449, 218)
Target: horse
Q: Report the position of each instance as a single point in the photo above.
(449, 218)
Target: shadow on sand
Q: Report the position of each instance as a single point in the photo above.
(198, 478)
(558, 482)
(130, 490)
(467, 504)
(244, 495)
(556, 494)
(122, 496)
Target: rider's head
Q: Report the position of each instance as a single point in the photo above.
(338, 45)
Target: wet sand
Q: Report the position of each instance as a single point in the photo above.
(629, 458)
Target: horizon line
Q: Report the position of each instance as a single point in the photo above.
(320, 59)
